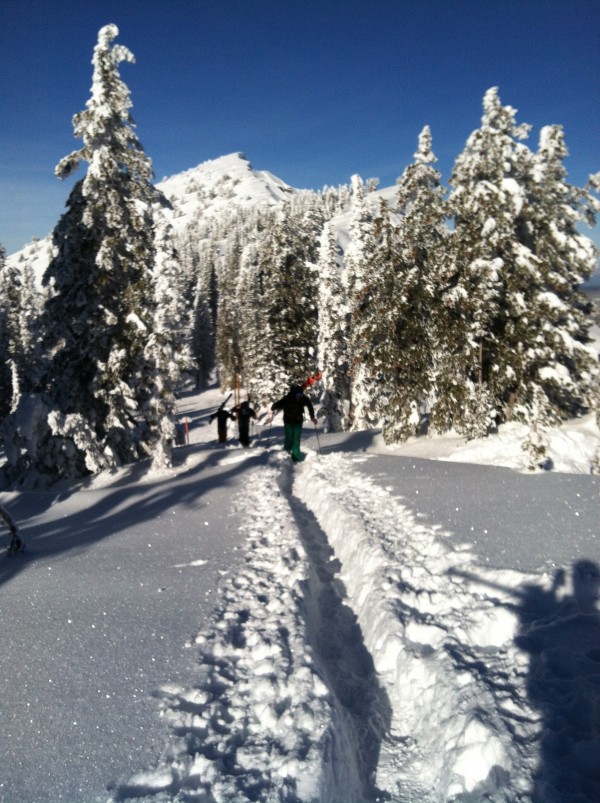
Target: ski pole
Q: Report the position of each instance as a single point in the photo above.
(272, 416)
(318, 441)
(258, 430)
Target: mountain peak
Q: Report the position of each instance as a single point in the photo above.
(221, 183)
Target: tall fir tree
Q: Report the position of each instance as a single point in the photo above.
(259, 362)
(552, 371)
(202, 340)
(228, 354)
(332, 350)
(360, 278)
(166, 352)
(6, 381)
(5, 368)
(488, 183)
(558, 361)
(405, 299)
(100, 310)
(289, 296)
(25, 326)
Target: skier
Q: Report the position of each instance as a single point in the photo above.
(293, 405)
(222, 415)
(243, 413)
(16, 543)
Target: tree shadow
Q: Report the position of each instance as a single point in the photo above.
(559, 630)
(126, 503)
(561, 635)
(343, 441)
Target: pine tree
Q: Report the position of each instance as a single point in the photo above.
(27, 335)
(332, 351)
(289, 296)
(558, 362)
(227, 340)
(99, 314)
(20, 325)
(258, 360)
(360, 277)
(202, 342)
(405, 302)
(166, 353)
(5, 369)
(488, 180)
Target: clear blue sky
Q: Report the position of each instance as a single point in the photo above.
(311, 90)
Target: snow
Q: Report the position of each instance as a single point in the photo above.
(416, 623)
(212, 188)
(218, 184)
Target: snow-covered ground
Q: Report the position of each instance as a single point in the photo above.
(410, 624)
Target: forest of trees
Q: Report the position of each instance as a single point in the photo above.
(439, 308)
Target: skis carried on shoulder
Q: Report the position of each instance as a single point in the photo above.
(312, 379)
(223, 404)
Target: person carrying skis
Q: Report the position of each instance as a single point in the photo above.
(243, 413)
(222, 415)
(293, 405)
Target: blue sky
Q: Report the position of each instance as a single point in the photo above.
(311, 90)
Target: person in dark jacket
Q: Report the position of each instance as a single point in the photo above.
(222, 415)
(293, 405)
(243, 413)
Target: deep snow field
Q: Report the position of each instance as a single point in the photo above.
(417, 624)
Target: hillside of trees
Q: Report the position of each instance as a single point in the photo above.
(427, 307)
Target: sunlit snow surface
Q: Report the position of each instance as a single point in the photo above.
(373, 623)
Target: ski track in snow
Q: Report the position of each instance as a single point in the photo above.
(361, 655)
(426, 637)
(261, 724)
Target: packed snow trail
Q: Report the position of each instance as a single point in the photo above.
(281, 710)
(362, 654)
(484, 701)
(340, 650)
(446, 737)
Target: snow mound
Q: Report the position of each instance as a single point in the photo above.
(571, 447)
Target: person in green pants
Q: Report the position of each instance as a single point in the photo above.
(293, 405)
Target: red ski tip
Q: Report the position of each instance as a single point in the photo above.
(312, 379)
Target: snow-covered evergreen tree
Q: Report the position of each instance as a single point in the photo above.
(558, 362)
(100, 311)
(289, 296)
(166, 352)
(488, 182)
(202, 341)
(360, 277)
(405, 298)
(20, 310)
(227, 335)
(5, 368)
(332, 350)
(258, 359)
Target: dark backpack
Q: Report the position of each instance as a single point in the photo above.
(293, 407)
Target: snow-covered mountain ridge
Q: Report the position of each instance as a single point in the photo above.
(212, 189)
(215, 186)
